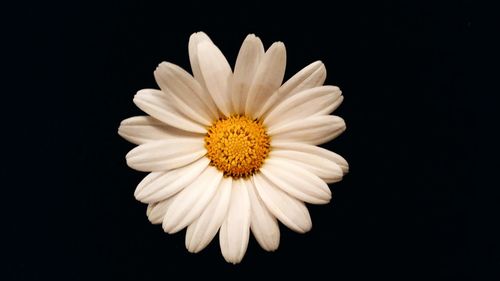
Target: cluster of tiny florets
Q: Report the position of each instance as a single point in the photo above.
(237, 145)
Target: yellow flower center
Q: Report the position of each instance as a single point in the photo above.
(237, 145)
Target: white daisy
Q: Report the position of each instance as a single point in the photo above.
(234, 151)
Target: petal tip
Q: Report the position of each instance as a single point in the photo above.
(198, 35)
(233, 260)
(120, 131)
(318, 64)
(279, 46)
(271, 246)
(193, 249)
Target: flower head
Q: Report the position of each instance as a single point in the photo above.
(235, 151)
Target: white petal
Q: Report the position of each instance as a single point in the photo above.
(247, 62)
(315, 101)
(142, 129)
(157, 211)
(188, 204)
(268, 78)
(162, 107)
(312, 130)
(189, 96)
(311, 76)
(158, 186)
(235, 230)
(194, 40)
(217, 75)
(290, 211)
(202, 230)
(165, 154)
(263, 224)
(150, 207)
(331, 108)
(296, 181)
(327, 170)
(312, 150)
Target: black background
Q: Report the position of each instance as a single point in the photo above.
(409, 207)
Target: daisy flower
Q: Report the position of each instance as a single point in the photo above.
(235, 151)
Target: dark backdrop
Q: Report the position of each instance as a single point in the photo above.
(404, 210)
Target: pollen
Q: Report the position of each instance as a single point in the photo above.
(237, 145)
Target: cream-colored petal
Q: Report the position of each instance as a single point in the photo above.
(312, 130)
(296, 181)
(268, 78)
(189, 95)
(322, 167)
(263, 224)
(312, 150)
(312, 102)
(165, 154)
(192, 200)
(332, 107)
(142, 129)
(217, 75)
(290, 211)
(150, 207)
(158, 186)
(203, 230)
(156, 211)
(235, 231)
(194, 40)
(162, 107)
(248, 60)
(311, 76)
